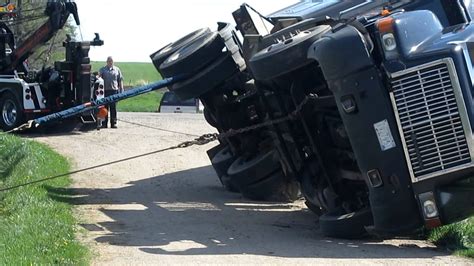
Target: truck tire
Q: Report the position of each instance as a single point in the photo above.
(221, 162)
(261, 178)
(194, 56)
(207, 79)
(161, 55)
(246, 171)
(284, 57)
(276, 187)
(346, 226)
(11, 112)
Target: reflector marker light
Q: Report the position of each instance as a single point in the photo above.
(385, 25)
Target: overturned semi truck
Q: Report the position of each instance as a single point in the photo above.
(379, 101)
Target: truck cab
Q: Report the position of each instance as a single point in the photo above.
(401, 77)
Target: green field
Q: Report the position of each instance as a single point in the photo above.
(137, 74)
(144, 103)
(34, 228)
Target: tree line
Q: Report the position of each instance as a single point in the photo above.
(29, 17)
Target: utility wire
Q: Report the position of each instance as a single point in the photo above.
(85, 169)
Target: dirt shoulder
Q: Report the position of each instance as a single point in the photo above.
(169, 208)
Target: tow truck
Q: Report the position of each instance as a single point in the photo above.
(27, 94)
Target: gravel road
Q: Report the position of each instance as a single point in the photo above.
(169, 208)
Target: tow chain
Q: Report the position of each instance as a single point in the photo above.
(208, 138)
(20, 128)
(200, 141)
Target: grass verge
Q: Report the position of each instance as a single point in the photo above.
(35, 229)
(458, 237)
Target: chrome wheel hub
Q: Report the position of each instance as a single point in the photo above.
(9, 113)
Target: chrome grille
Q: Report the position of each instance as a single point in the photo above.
(430, 120)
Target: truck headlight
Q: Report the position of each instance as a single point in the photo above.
(428, 205)
(389, 42)
(429, 209)
(387, 36)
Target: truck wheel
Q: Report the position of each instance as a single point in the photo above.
(286, 56)
(161, 55)
(261, 178)
(346, 226)
(11, 112)
(275, 187)
(249, 170)
(194, 56)
(207, 79)
(221, 162)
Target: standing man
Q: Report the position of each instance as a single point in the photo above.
(113, 83)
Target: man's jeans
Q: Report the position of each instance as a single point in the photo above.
(112, 108)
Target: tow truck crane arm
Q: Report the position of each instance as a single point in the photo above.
(58, 12)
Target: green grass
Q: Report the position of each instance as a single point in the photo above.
(135, 74)
(144, 103)
(458, 237)
(34, 228)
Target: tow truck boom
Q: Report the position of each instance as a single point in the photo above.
(58, 12)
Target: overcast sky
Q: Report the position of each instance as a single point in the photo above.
(132, 30)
